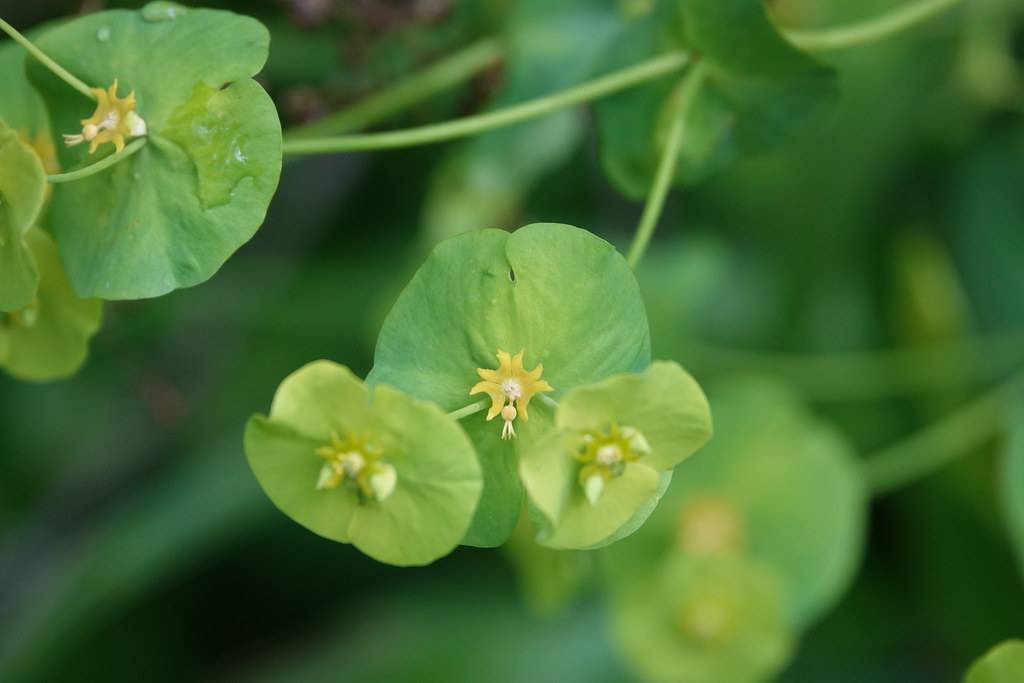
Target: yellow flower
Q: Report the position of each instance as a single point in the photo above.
(604, 455)
(114, 120)
(510, 388)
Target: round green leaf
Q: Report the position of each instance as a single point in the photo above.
(563, 296)
(707, 620)
(20, 104)
(1002, 664)
(438, 480)
(793, 485)
(22, 186)
(664, 404)
(758, 93)
(49, 339)
(170, 215)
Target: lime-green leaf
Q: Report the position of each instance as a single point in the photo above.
(437, 480)
(20, 104)
(1002, 664)
(563, 296)
(759, 92)
(170, 215)
(663, 406)
(22, 186)
(49, 339)
(773, 483)
(702, 620)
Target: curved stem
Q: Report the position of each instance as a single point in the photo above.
(53, 66)
(613, 82)
(547, 400)
(444, 74)
(101, 165)
(925, 452)
(666, 167)
(870, 30)
(872, 375)
(471, 409)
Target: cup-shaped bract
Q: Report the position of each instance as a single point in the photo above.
(22, 188)
(1002, 664)
(600, 473)
(702, 620)
(560, 295)
(757, 92)
(170, 215)
(774, 484)
(388, 473)
(48, 339)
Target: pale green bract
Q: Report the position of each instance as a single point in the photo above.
(560, 294)
(437, 480)
(664, 404)
(171, 215)
(22, 187)
(49, 338)
(1002, 664)
(702, 620)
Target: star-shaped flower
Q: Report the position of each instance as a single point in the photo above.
(510, 388)
(114, 120)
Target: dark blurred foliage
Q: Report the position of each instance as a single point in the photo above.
(136, 544)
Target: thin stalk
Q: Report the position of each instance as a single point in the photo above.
(690, 86)
(471, 409)
(605, 85)
(928, 450)
(446, 73)
(53, 66)
(550, 402)
(101, 165)
(870, 30)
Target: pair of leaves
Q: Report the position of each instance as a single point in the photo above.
(438, 480)
(756, 93)
(170, 215)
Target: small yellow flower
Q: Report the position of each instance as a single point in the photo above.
(604, 455)
(114, 120)
(355, 462)
(510, 388)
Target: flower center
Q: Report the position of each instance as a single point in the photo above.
(710, 525)
(510, 388)
(705, 620)
(354, 463)
(604, 455)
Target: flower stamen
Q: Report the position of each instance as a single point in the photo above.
(510, 388)
(355, 463)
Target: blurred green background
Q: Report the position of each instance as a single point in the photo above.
(136, 544)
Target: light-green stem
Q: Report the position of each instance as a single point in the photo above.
(689, 88)
(101, 165)
(446, 73)
(927, 451)
(53, 66)
(471, 409)
(870, 30)
(605, 85)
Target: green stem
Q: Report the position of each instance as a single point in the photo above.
(471, 409)
(611, 83)
(666, 166)
(870, 30)
(550, 402)
(101, 165)
(446, 73)
(53, 66)
(925, 452)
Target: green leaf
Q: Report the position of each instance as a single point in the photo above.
(668, 409)
(562, 295)
(783, 488)
(20, 104)
(49, 339)
(1002, 664)
(719, 620)
(1011, 483)
(22, 187)
(170, 215)
(438, 480)
(759, 92)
